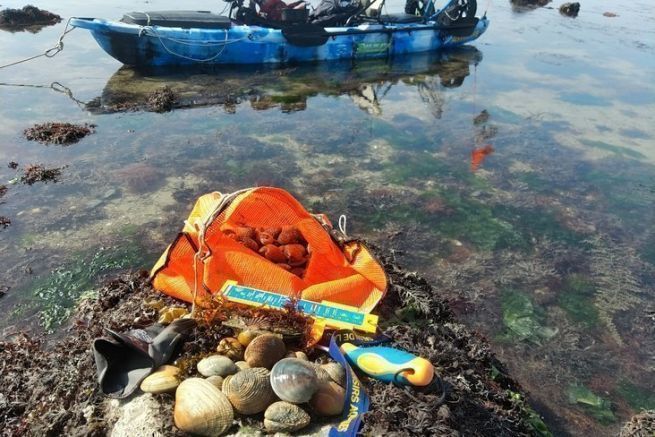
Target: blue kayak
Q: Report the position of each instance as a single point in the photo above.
(158, 41)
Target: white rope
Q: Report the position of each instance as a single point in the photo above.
(342, 224)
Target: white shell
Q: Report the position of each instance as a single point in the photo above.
(217, 365)
(285, 417)
(294, 380)
(163, 380)
(217, 381)
(201, 408)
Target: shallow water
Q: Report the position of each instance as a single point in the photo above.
(546, 248)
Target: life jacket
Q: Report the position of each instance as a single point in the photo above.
(205, 254)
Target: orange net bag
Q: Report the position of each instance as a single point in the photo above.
(205, 254)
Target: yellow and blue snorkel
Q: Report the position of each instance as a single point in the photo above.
(390, 365)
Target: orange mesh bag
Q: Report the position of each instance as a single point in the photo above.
(205, 254)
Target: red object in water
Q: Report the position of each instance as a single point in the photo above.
(478, 155)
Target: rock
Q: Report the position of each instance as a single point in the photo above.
(137, 416)
(642, 424)
(570, 9)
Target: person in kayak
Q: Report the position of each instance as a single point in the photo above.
(272, 9)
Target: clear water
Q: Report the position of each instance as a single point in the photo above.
(547, 248)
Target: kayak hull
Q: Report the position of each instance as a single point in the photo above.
(156, 46)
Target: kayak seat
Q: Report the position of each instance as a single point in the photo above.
(185, 19)
(401, 18)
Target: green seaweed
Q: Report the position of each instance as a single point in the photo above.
(639, 398)
(619, 150)
(55, 295)
(523, 321)
(533, 419)
(577, 299)
(537, 223)
(419, 166)
(594, 405)
(476, 223)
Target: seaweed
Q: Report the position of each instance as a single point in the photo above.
(637, 397)
(55, 295)
(477, 223)
(522, 320)
(161, 100)
(618, 289)
(58, 133)
(577, 299)
(38, 173)
(594, 405)
(537, 223)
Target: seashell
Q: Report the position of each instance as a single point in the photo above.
(231, 348)
(264, 351)
(217, 365)
(163, 380)
(245, 232)
(289, 235)
(336, 372)
(272, 253)
(249, 243)
(216, 381)
(168, 314)
(265, 238)
(285, 417)
(249, 391)
(201, 408)
(295, 254)
(298, 354)
(294, 380)
(246, 336)
(242, 365)
(321, 374)
(329, 399)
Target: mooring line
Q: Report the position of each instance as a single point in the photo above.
(55, 86)
(50, 53)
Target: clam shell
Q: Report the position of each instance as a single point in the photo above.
(216, 381)
(163, 380)
(201, 408)
(245, 337)
(231, 348)
(217, 365)
(298, 354)
(336, 371)
(242, 365)
(249, 391)
(264, 351)
(329, 399)
(294, 380)
(285, 417)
